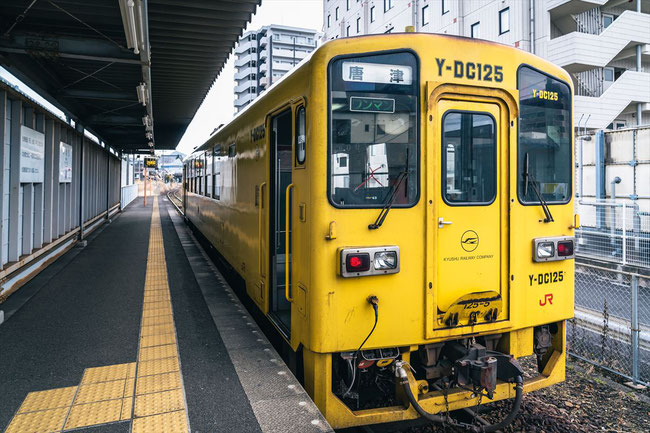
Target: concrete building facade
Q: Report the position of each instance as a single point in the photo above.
(263, 56)
(603, 44)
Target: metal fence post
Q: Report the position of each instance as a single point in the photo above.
(624, 226)
(634, 283)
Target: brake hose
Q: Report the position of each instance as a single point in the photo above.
(404, 381)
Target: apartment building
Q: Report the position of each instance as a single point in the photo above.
(263, 56)
(603, 44)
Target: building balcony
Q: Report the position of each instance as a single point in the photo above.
(241, 61)
(244, 46)
(245, 85)
(244, 100)
(242, 73)
(281, 67)
(632, 87)
(289, 53)
(577, 52)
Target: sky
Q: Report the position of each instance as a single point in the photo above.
(218, 106)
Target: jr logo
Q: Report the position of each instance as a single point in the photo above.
(547, 298)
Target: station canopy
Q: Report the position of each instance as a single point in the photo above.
(132, 72)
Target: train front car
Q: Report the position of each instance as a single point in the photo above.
(440, 216)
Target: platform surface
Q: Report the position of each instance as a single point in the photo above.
(138, 332)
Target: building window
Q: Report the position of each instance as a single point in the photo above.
(388, 5)
(372, 14)
(445, 7)
(347, 31)
(347, 5)
(336, 13)
(425, 15)
(504, 21)
(358, 25)
(608, 19)
(329, 19)
(608, 74)
(474, 30)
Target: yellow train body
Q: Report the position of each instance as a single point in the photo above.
(487, 250)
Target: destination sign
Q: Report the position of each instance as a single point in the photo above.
(377, 73)
(372, 105)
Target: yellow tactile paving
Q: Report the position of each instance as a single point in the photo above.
(106, 393)
(158, 383)
(166, 328)
(127, 408)
(44, 421)
(94, 413)
(128, 387)
(105, 374)
(157, 352)
(158, 320)
(100, 391)
(172, 422)
(159, 402)
(157, 366)
(157, 340)
(51, 399)
(157, 312)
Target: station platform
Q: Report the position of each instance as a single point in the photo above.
(138, 332)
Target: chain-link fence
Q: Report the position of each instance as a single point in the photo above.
(611, 327)
(615, 231)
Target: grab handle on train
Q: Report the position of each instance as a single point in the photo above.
(287, 244)
(260, 229)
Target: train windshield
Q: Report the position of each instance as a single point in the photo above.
(544, 153)
(373, 130)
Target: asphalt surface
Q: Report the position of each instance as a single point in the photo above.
(85, 309)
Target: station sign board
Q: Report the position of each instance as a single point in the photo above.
(65, 163)
(150, 162)
(32, 155)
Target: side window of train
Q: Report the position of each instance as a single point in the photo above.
(301, 135)
(217, 172)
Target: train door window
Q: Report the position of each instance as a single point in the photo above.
(301, 135)
(281, 167)
(469, 158)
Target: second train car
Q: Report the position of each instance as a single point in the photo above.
(400, 207)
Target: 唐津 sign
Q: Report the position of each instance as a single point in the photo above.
(32, 155)
(377, 73)
(65, 163)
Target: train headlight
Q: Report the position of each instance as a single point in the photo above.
(545, 250)
(385, 260)
(365, 261)
(553, 249)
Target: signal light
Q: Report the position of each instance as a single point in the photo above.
(565, 248)
(357, 262)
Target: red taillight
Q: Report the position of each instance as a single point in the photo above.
(357, 262)
(565, 248)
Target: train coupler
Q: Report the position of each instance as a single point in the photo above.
(479, 367)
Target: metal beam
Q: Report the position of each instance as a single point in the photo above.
(68, 47)
(95, 94)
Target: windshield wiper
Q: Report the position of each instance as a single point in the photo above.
(392, 195)
(529, 177)
(389, 203)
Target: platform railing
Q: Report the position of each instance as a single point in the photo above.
(129, 193)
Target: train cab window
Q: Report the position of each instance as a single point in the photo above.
(469, 158)
(544, 151)
(374, 139)
(301, 135)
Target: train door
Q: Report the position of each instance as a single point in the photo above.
(280, 179)
(470, 213)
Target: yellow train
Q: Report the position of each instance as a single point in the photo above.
(400, 207)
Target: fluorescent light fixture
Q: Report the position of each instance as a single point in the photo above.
(146, 121)
(132, 22)
(143, 96)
